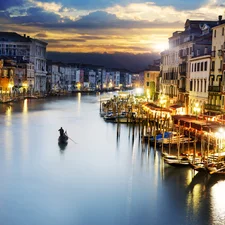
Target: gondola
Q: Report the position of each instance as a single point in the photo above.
(63, 140)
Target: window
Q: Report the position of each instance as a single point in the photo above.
(147, 74)
(213, 65)
(198, 66)
(195, 67)
(201, 66)
(191, 83)
(214, 33)
(205, 65)
(147, 84)
(223, 31)
(205, 86)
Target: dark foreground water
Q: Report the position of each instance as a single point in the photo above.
(101, 180)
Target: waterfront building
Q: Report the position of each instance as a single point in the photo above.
(79, 79)
(199, 82)
(29, 50)
(92, 79)
(169, 70)
(150, 81)
(116, 79)
(7, 72)
(125, 78)
(194, 41)
(217, 76)
(53, 75)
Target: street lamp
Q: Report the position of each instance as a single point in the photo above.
(196, 110)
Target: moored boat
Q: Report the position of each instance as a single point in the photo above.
(198, 166)
(179, 162)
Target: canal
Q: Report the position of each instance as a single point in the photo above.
(99, 178)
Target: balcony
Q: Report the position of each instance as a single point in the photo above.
(183, 73)
(214, 88)
(212, 107)
(213, 53)
(182, 89)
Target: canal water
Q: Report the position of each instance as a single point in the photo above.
(99, 178)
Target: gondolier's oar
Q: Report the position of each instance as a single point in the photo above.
(73, 140)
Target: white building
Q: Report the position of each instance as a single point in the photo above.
(199, 82)
(92, 79)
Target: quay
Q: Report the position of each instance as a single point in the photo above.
(151, 120)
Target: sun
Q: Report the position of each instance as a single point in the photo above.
(160, 47)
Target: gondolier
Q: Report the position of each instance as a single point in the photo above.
(61, 131)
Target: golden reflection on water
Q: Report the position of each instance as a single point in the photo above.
(78, 102)
(25, 107)
(193, 199)
(218, 203)
(8, 118)
(24, 143)
(8, 139)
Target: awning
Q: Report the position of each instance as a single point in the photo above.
(175, 106)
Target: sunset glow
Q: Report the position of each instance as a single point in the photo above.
(121, 26)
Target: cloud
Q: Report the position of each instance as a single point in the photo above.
(65, 40)
(96, 20)
(102, 4)
(9, 3)
(41, 35)
(36, 15)
(109, 48)
(68, 24)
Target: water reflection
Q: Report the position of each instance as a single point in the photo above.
(110, 177)
(218, 204)
(8, 118)
(62, 146)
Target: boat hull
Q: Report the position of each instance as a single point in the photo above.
(63, 139)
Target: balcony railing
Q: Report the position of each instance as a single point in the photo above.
(214, 88)
(212, 107)
(182, 89)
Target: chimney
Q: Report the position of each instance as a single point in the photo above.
(24, 35)
(220, 18)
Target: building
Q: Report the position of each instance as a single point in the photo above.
(199, 82)
(217, 79)
(194, 41)
(150, 81)
(7, 72)
(27, 50)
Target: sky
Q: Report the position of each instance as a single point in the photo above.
(104, 26)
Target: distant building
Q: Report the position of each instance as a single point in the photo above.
(150, 81)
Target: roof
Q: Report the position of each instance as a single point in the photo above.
(13, 36)
(156, 107)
